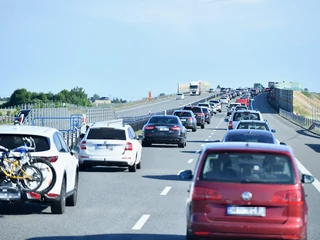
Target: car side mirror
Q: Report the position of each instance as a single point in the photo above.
(307, 178)
(226, 120)
(81, 135)
(75, 149)
(282, 143)
(186, 174)
(139, 137)
(273, 130)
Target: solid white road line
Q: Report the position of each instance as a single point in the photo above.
(190, 160)
(141, 222)
(303, 170)
(165, 191)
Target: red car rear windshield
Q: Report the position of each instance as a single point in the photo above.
(248, 168)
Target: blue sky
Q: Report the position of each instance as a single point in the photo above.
(124, 48)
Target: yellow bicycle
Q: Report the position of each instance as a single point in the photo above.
(26, 176)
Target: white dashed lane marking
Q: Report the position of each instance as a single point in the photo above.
(303, 170)
(190, 160)
(165, 191)
(141, 222)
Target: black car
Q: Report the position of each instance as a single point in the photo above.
(250, 135)
(198, 112)
(166, 129)
(187, 118)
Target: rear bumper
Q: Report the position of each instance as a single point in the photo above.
(200, 226)
(163, 139)
(104, 161)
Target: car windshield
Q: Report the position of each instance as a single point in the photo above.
(249, 137)
(238, 116)
(182, 114)
(163, 120)
(106, 134)
(12, 141)
(253, 125)
(240, 167)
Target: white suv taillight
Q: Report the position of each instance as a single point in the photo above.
(83, 145)
(129, 146)
(230, 125)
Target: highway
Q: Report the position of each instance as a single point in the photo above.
(150, 203)
(160, 105)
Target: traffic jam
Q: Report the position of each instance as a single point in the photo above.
(242, 180)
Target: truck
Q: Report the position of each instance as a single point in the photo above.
(195, 88)
(258, 86)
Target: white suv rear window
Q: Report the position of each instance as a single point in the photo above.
(106, 133)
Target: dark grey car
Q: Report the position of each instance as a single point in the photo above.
(198, 112)
(187, 118)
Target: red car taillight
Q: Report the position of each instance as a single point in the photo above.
(291, 197)
(230, 125)
(200, 114)
(175, 128)
(190, 118)
(129, 146)
(149, 127)
(202, 193)
(83, 145)
(50, 159)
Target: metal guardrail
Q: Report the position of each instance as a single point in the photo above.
(308, 123)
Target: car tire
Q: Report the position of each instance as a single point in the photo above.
(72, 200)
(182, 144)
(202, 126)
(139, 165)
(58, 207)
(133, 168)
(84, 167)
(145, 144)
(194, 129)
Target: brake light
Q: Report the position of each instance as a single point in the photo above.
(200, 114)
(50, 159)
(20, 119)
(230, 125)
(190, 118)
(149, 127)
(291, 196)
(33, 195)
(175, 128)
(83, 145)
(202, 193)
(129, 146)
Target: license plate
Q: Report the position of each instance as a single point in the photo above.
(163, 129)
(104, 146)
(246, 211)
(10, 196)
(183, 119)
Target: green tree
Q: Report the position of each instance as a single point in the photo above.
(20, 96)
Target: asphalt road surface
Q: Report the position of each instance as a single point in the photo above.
(150, 203)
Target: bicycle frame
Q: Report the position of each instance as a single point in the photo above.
(15, 165)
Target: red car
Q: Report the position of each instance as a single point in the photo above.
(246, 191)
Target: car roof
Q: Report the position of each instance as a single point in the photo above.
(249, 131)
(182, 110)
(250, 146)
(164, 116)
(29, 130)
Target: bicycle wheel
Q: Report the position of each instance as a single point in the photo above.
(31, 178)
(48, 173)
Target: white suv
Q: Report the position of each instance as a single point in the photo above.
(49, 146)
(110, 144)
(239, 115)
